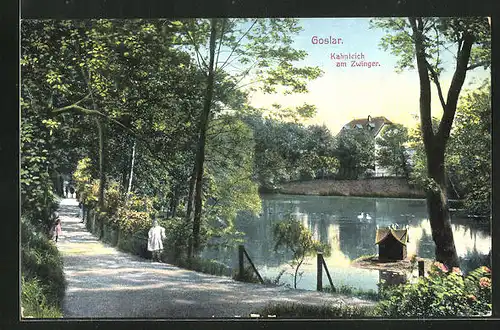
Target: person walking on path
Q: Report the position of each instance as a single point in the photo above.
(156, 236)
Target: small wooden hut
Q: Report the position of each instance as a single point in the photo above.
(391, 243)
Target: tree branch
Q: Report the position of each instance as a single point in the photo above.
(238, 43)
(220, 42)
(455, 87)
(476, 65)
(196, 48)
(435, 78)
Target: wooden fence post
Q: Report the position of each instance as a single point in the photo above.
(241, 249)
(319, 272)
(420, 268)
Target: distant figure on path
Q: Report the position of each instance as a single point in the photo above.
(66, 190)
(56, 227)
(156, 236)
(72, 191)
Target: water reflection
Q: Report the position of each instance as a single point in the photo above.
(335, 221)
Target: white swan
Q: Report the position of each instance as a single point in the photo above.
(361, 216)
(368, 217)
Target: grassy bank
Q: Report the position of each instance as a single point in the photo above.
(354, 292)
(42, 278)
(292, 310)
(371, 187)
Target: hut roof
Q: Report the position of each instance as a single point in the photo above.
(401, 235)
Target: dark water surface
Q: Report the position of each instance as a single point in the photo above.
(335, 220)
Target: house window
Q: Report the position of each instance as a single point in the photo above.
(359, 126)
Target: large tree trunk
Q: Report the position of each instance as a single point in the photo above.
(126, 166)
(435, 143)
(102, 175)
(189, 210)
(438, 208)
(200, 157)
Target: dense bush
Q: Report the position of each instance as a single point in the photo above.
(442, 293)
(34, 300)
(134, 215)
(177, 233)
(134, 244)
(86, 187)
(41, 268)
(354, 292)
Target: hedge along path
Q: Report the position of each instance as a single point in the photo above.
(106, 283)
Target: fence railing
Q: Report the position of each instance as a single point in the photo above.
(241, 263)
(320, 262)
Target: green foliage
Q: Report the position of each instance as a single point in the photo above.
(354, 292)
(293, 310)
(469, 150)
(229, 176)
(34, 300)
(134, 215)
(287, 151)
(38, 200)
(292, 235)
(440, 34)
(134, 243)
(442, 293)
(114, 198)
(138, 78)
(177, 232)
(42, 268)
(392, 152)
(84, 184)
(355, 152)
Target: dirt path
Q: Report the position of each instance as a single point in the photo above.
(106, 283)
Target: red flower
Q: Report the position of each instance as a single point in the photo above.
(486, 269)
(456, 270)
(485, 282)
(472, 297)
(441, 266)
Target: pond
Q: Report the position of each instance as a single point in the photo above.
(335, 221)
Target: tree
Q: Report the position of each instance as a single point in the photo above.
(355, 152)
(392, 152)
(261, 47)
(293, 236)
(229, 164)
(424, 39)
(469, 150)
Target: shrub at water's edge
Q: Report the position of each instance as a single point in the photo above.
(43, 284)
(354, 292)
(442, 294)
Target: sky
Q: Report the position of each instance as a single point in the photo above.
(344, 93)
